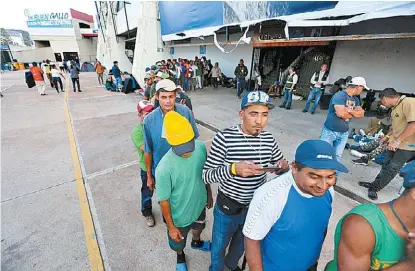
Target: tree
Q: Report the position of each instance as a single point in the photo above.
(5, 37)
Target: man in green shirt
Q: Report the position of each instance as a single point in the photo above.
(379, 237)
(181, 191)
(144, 108)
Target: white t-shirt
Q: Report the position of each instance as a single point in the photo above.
(268, 203)
(194, 68)
(55, 72)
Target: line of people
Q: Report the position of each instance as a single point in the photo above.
(280, 224)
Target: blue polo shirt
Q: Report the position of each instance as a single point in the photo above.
(290, 224)
(155, 141)
(333, 122)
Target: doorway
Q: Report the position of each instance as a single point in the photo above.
(70, 55)
(275, 62)
(58, 57)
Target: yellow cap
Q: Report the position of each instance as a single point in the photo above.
(178, 129)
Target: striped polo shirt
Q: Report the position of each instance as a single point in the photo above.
(232, 146)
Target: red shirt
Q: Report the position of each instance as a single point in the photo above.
(37, 73)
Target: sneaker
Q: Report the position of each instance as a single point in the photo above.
(281, 106)
(288, 107)
(361, 161)
(372, 195)
(150, 221)
(312, 112)
(304, 111)
(357, 154)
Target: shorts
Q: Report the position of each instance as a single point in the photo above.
(199, 224)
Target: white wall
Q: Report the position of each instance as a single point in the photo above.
(87, 49)
(68, 45)
(133, 12)
(227, 62)
(37, 55)
(383, 63)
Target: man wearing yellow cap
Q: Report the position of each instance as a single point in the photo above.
(181, 191)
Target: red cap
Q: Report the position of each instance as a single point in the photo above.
(145, 106)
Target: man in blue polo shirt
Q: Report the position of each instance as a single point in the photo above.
(344, 105)
(116, 72)
(156, 145)
(288, 217)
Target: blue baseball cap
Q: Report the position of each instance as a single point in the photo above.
(408, 174)
(318, 154)
(254, 97)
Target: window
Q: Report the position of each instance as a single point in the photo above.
(82, 25)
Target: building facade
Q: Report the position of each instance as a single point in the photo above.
(60, 35)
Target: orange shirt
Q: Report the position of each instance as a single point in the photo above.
(99, 68)
(37, 73)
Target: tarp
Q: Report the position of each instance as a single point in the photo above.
(177, 17)
(362, 11)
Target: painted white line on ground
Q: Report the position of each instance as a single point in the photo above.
(108, 170)
(93, 97)
(97, 226)
(6, 88)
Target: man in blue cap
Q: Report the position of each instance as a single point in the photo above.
(381, 236)
(236, 163)
(288, 217)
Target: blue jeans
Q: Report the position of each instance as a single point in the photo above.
(186, 83)
(315, 94)
(118, 82)
(288, 98)
(240, 85)
(227, 229)
(146, 195)
(338, 139)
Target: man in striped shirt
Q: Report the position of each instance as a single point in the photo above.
(236, 162)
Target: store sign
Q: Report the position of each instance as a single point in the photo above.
(274, 33)
(48, 20)
(202, 49)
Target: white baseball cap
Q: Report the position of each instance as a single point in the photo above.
(166, 84)
(359, 81)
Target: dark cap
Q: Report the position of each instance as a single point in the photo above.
(318, 154)
(388, 92)
(408, 174)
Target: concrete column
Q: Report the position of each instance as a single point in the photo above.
(149, 47)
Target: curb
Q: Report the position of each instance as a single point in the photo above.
(338, 189)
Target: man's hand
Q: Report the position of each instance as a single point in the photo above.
(383, 140)
(175, 234)
(393, 145)
(150, 182)
(410, 248)
(283, 165)
(248, 168)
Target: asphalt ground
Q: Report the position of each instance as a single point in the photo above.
(70, 197)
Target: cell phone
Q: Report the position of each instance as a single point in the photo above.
(271, 169)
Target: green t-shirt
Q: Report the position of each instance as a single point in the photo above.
(179, 180)
(138, 139)
(389, 247)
